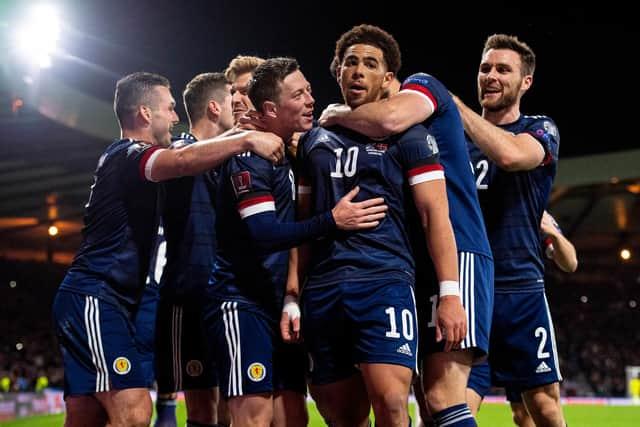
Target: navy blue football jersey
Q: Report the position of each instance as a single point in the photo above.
(445, 125)
(121, 224)
(250, 185)
(332, 162)
(189, 219)
(512, 204)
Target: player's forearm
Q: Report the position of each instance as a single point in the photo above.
(502, 147)
(269, 235)
(385, 117)
(205, 155)
(564, 253)
(293, 281)
(442, 247)
(299, 258)
(199, 157)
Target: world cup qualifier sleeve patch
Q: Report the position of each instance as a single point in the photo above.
(241, 182)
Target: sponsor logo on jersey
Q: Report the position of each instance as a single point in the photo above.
(194, 368)
(241, 182)
(405, 349)
(256, 372)
(121, 365)
(542, 368)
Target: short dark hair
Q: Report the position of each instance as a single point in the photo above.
(373, 36)
(265, 85)
(200, 90)
(504, 41)
(134, 90)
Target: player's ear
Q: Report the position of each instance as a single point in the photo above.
(270, 109)
(527, 81)
(145, 113)
(213, 108)
(388, 78)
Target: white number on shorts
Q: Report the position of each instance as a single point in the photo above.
(407, 324)
(349, 164)
(483, 166)
(542, 334)
(434, 307)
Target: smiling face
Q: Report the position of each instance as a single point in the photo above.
(163, 115)
(363, 75)
(500, 80)
(240, 99)
(294, 107)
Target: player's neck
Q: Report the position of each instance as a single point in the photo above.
(504, 116)
(137, 135)
(202, 131)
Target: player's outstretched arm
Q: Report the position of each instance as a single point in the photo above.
(510, 152)
(201, 156)
(271, 235)
(381, 118)
(431, 201)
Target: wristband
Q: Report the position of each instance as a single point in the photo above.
(449, 287)
(291, 307)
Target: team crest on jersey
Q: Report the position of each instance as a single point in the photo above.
(256, 372)
(550, 128)
(241, 182)
(194, 368)
(121, 365)
(432, 144)
(377, 148)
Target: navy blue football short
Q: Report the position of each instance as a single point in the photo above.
(251, 357)
(358, 322)
(476, 293)
(99, 349)
(182, 359)
(523, 346)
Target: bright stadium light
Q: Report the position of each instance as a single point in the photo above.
(36, 38)
(625, 254)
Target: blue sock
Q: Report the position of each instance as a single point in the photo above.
(166, 413)
(455, 416)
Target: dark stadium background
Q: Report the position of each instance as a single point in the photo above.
(586, 80)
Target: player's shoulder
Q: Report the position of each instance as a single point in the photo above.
(185, 138)
(422, 79)
(540, 124)
(316, 137)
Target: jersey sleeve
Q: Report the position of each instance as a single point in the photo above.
(250, 180)
(252, 186)
(141, 156)
(420, 155)
(546, 132)
(429, 88)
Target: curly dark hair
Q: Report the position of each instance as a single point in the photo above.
(373, 36)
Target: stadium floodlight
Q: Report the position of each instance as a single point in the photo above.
(37, 35)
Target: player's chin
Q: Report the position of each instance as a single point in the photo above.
(305, 123)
